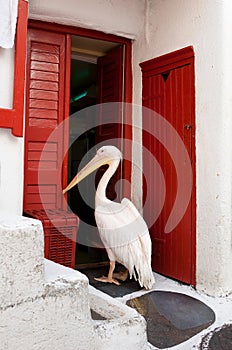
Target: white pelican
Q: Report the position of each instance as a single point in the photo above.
(122, 229)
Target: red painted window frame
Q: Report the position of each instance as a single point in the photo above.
(13, 118)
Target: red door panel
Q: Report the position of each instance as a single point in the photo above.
(170, 92)
(110, 80)
(45, 111)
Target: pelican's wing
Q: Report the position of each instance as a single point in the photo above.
(125, 234)
(119, 223)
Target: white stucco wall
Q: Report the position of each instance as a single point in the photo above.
(36, 311)
(158, 27)
(7, 76)
(11, 148)
(46, 305)
(171, 25)
(120, 17)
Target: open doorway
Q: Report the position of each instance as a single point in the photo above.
(96, 77)
(101, 72)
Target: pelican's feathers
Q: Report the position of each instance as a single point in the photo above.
(122, 229)
(125, 236)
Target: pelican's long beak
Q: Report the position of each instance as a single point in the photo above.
(94, 164)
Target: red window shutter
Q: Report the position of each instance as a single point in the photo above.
(45, 110)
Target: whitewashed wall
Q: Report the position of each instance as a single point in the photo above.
(120, 17)
(159, 27)
(11, 148)
(171, 25)
(47, 305)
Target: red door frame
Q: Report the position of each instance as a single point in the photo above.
(93, 34)
(166, 63)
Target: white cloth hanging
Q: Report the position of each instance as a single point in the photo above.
(8, 19)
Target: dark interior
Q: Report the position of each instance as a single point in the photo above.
(83, 95)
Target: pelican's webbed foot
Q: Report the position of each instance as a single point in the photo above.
(121, 276)
(107, 280)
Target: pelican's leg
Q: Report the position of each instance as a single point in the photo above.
(122, 275)
(109, 278)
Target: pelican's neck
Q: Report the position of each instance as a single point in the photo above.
(100, 198)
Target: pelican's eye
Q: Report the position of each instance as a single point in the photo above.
(100, 151)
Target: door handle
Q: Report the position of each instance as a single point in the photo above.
(188, 126)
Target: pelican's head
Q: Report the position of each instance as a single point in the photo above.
(109, 152)
(104, 155)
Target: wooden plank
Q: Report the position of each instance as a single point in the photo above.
(44, 85)
(35, 198)
(43, 113)
(38, 146)
(36, 164)
(45, 66)
(47, 156)
(44, 57)
(46, 177)
(44, 94)
(41, 189)
(44, 104)
(47, 76)
(42, 47)
(49, 124)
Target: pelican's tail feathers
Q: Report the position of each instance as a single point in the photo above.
(136, 257)
(142, 272)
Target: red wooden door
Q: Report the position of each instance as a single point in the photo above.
(110, 89)
(45, 100)
(168, 89)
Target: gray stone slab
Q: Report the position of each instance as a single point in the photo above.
(219, 339)
(182, 310)
(172, 317)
